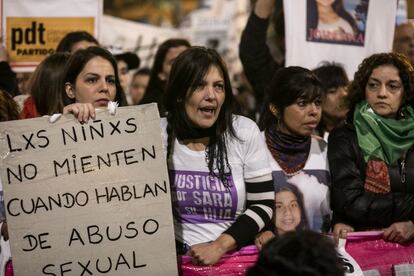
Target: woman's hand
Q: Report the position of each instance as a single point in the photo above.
(209, 253)
(83, 111)
(400, 232)
(340, 230)
(262, 238)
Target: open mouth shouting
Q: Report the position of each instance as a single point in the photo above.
(208, 110)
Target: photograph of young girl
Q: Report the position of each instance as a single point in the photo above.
(337, 21)
(289, 213)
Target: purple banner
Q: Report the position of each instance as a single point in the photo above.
(199, 197)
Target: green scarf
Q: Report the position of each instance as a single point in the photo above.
(382, 138)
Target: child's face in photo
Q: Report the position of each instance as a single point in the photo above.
(287, 212)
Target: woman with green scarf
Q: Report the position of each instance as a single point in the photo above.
(371, 157)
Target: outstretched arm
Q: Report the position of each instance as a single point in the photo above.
(258, 63)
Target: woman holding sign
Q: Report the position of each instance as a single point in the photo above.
(221, 182)
(90, 81)
(371, 157)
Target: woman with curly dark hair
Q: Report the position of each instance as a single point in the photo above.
(371, 157)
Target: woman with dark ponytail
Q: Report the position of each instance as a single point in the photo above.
(219, 173)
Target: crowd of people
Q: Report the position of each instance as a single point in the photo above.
(319, 153)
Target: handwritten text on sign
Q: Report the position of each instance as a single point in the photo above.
(88, 199)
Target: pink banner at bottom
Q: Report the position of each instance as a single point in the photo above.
(236, 263)
(375, 255)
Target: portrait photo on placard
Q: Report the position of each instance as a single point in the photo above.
(336, 21)
(290, 212)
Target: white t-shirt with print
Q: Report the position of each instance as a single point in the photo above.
(313, 181)
(203, 207)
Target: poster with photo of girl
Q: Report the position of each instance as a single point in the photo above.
(289, 212)
(337, 21)
(310, 190)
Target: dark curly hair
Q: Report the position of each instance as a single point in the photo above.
(298, 253)
(356, 91)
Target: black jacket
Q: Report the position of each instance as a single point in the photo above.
(350, 203)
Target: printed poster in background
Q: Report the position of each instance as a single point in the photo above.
(88, 199)
(33, 29)
(219, 24)
(374, 20)
(345, 23)
(211, 24)
(30, 39)
(143, 39)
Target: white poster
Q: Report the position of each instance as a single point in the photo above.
(317, 31)
(218, 24)
(142, 39)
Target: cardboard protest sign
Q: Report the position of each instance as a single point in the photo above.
(88, 199)
(33, 29)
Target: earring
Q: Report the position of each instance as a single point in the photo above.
(401, 113)
(273, 110)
